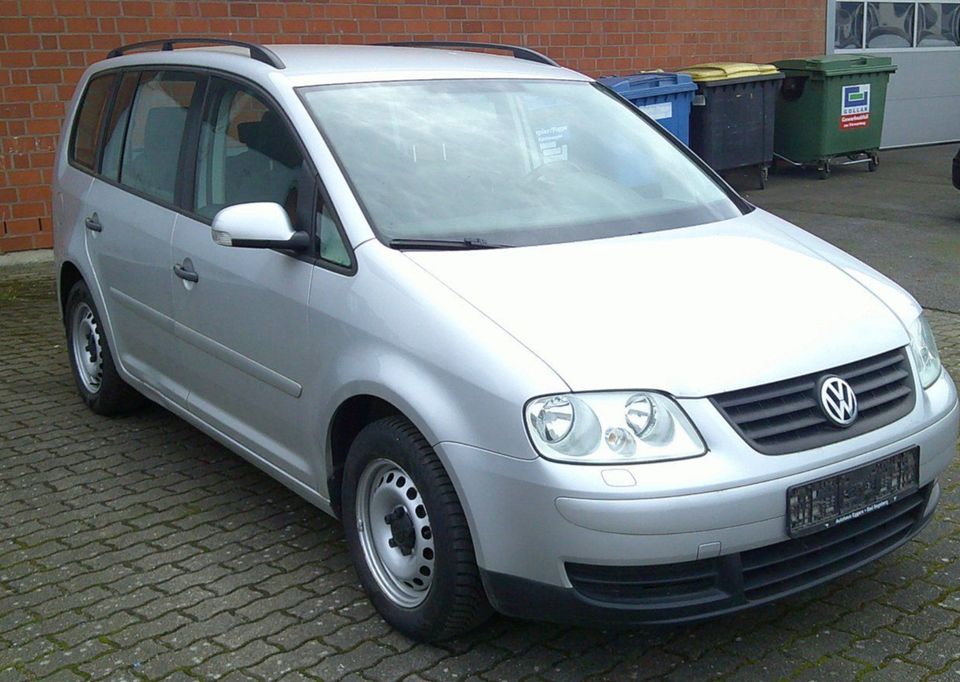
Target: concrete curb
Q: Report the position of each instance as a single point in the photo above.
(26, 257)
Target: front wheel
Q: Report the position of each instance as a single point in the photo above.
(408, 535)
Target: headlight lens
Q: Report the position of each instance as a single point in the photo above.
(553, 419)
(611, 428)
(925, 353)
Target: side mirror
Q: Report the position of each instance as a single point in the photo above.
(261, 225)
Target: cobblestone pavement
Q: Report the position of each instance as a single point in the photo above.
(139, 548)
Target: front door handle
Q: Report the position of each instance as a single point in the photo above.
(186, 272)
(93, 223)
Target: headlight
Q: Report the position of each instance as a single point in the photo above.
(925, 354)
(611, 428)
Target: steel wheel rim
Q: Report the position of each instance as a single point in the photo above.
(383, 488)
(87, 347)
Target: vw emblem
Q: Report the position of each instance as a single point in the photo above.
(838, 401)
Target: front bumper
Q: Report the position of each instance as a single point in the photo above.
(552, 533)
(691, 591)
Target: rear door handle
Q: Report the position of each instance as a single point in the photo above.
(93, 223)
(186, 272)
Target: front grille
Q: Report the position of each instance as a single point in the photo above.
(644, 584)
(695, 589)
(791, 565)
(785, 416)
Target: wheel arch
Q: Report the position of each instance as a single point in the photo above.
(349, 418)
(68, 275)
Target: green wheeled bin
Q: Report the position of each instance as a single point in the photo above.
(831, 108)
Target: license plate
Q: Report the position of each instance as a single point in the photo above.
(825, 503)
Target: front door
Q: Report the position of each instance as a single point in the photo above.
(241, 313)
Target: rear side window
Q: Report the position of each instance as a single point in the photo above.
(89, 122)
(154, 136)
(117, 127)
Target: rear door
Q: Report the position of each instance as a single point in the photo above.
(130, 212)
(241, 313)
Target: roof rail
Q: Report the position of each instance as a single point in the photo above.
(518, 52)
(257, 52)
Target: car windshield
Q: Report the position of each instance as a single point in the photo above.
(509, 163)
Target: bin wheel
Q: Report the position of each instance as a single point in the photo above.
(764, 176)
(824, 169)
(874, 163)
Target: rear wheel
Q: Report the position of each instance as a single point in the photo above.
(98, 382)
(408, 535)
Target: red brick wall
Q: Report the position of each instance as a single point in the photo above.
(45, 45)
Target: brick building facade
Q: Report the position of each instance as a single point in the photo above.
(46, 44)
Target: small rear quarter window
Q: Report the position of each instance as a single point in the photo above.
(88, 124)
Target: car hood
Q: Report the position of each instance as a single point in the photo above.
(692, 311)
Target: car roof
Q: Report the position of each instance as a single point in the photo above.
(327, 64)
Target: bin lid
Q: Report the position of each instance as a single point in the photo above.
(721, 71)
(649, 84)
(839, 64)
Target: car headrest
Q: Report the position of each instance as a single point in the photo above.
(247, 132)
(164, 128)
(274, 141)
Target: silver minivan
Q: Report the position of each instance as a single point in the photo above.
(532, 351)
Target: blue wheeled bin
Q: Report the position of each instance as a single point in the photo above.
(664, 97)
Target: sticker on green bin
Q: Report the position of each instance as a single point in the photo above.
(856, 107)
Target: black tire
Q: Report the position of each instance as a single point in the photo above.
(455, 602)
(113, 395)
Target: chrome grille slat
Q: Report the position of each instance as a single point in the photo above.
(785, 416)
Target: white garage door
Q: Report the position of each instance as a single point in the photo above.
(923, 39)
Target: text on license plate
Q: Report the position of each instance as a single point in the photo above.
(830, 501)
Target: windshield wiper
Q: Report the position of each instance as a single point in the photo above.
(446, 244)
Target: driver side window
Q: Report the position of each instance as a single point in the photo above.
(246, 153)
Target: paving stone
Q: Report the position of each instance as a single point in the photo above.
(122, 664)
(286, 664)
(941, 652)
(184, 658)
(338, 666)
(397, 666)
(240, 635)
(246, 656)
(476, 660)
(896, 671)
